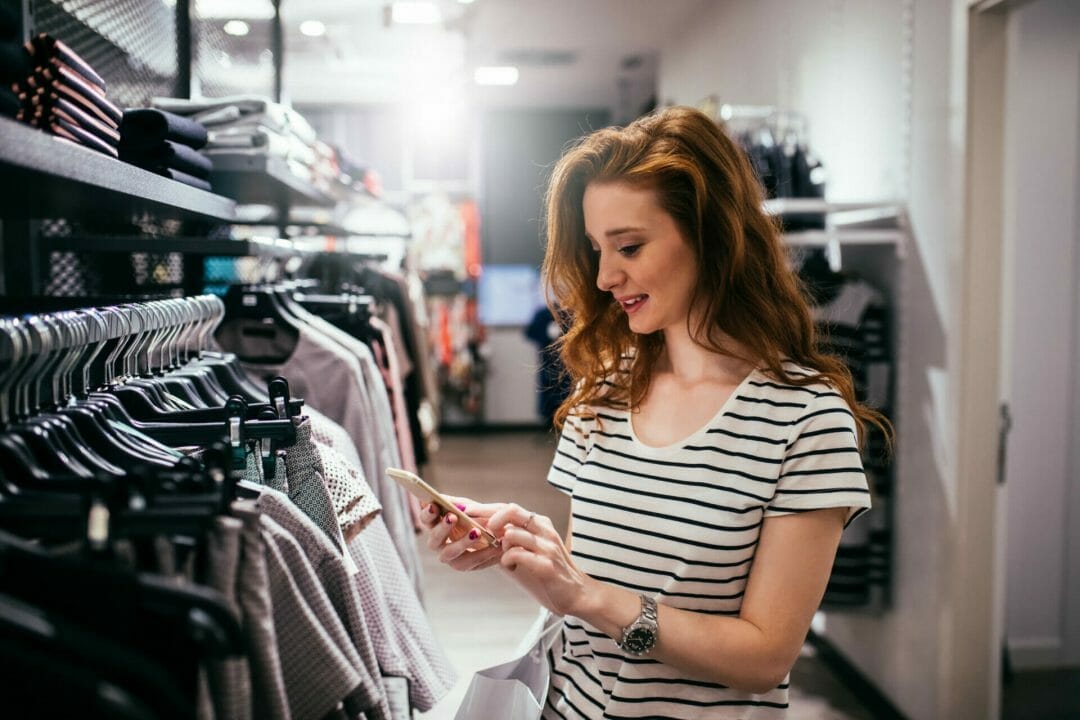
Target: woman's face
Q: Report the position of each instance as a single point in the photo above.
(645, 262)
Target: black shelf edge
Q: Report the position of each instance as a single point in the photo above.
(188, 245)
(252, 179)
(46, 177)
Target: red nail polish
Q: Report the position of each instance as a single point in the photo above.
(460, 507)
(473, 534)
(449, 518)
(431, 508)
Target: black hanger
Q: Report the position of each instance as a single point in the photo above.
(256, 312)
(52, 439)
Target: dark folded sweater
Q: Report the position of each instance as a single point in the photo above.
(147, 128)
(172, 155)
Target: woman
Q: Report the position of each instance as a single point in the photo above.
(710, 451)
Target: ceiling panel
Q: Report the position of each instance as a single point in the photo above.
(363, 59)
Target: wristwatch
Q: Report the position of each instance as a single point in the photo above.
(639, 637)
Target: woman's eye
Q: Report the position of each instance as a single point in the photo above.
(629, 250)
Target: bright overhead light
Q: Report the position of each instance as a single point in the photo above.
(313, 28)
(466, 2)
(415, 13)
(225, 9)
(239, 28)
(496, 75)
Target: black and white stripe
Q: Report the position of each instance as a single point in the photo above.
(682, 522)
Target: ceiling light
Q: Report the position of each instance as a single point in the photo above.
(415, 13)
(239, 28)
(225, 9)
(496, 75)
(313, 28)
(465, 2)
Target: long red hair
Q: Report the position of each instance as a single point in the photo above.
(745, 285)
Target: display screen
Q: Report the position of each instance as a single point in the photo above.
(509, 294)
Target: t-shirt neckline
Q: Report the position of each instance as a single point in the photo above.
(700, 432)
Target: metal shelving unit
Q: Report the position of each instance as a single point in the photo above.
(46, 177)
(263, 180)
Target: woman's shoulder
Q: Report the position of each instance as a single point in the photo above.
(800, 378)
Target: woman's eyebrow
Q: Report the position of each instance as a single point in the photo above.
(623, 230)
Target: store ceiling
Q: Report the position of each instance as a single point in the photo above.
(569, 52)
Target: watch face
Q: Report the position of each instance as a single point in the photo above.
(640, 640)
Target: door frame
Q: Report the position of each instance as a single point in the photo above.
(1070, 653)
(969, 685)
(973, 640)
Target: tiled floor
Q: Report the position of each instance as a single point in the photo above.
(480, 617)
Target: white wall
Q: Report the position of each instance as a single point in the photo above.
(837, 63)
(1042, 193)
(510, 386)
(843, 64)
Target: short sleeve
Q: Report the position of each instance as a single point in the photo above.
(822, 466)
(569, 455)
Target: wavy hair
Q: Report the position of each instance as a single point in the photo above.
(745, 286)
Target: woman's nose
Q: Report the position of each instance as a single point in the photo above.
(609, 275)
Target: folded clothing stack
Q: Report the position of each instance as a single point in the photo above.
(251, 125)
(57, 91)
(166, 144)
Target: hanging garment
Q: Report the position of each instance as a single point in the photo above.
(852, 319)
(340, 587)
(401, 633)
(229, 678)
(340, 383)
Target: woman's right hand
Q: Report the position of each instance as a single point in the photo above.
(465, 553)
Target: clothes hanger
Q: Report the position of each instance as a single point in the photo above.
(50, 442)
(17, 458)
(88, 419)
(259, 314)
(224, 366)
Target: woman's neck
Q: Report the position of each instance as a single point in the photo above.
(690, 362)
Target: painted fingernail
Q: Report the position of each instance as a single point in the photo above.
(431, 508)
(449, 518)
(460, 507)
(473, 534)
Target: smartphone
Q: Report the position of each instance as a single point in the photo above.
(426, 493)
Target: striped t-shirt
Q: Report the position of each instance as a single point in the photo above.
(681, 523)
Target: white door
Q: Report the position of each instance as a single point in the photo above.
(1040, 364)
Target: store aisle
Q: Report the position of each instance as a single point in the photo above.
(480, 618)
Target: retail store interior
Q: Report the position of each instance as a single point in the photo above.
(253, 252)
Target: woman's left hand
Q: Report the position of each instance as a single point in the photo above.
(537, 558)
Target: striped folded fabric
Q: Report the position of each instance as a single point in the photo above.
(56, 90)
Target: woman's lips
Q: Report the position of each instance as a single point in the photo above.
(633, 304)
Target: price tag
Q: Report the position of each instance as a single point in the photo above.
(397, 696)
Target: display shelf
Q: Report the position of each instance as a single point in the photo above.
(263, 180)
(783, 206)
(856, 236)
(224, 247)
(46, 177)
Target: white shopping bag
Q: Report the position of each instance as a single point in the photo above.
(515, 690)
